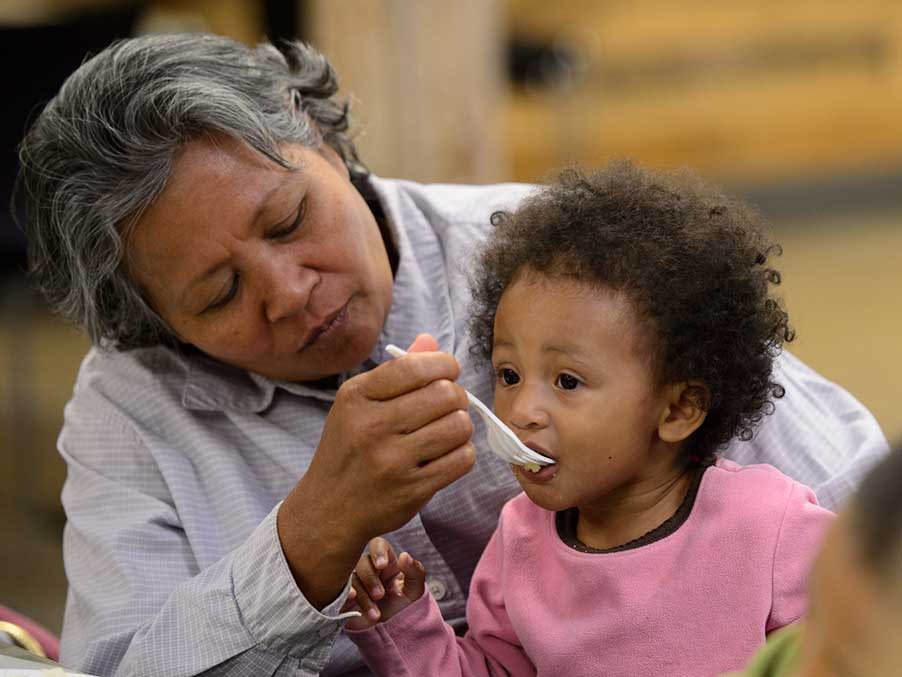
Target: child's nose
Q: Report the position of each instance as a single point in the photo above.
(529, 409)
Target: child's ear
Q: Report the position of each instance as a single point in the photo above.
(685, 408)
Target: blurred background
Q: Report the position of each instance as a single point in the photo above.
(796, 106)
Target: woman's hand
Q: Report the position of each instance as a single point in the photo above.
(394, 436)
(383, 585)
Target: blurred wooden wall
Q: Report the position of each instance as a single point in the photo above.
(757, 90)
(427, 83)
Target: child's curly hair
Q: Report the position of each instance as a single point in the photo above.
(693, 262)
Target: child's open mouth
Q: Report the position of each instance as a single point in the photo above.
(536, 473)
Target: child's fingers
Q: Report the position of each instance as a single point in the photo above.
(389, 573)
(377, 567)
(363, 600)
(414, 576)
(396, 587)
(369, 578)
(381, 553)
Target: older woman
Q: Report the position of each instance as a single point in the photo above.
(234, 439)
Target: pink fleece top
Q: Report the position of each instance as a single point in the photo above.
(697, 602)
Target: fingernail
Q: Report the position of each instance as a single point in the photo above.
(378, 591)
(381, 561)
(373, 613)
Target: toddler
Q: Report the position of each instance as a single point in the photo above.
(628, 318)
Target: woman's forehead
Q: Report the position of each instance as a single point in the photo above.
(212, 182)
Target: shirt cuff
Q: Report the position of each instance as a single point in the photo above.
(273, 608)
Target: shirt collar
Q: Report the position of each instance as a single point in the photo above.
(211, 385)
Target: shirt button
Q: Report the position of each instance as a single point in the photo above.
(437, 588)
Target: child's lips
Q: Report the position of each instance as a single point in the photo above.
(540, 449)
(546, 473)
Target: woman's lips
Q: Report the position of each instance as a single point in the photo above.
(328, 326)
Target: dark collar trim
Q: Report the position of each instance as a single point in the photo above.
(566, 521)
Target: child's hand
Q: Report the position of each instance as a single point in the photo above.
(383, 585)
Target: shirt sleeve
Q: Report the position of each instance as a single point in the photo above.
(137, 603)
(802, 530)
(418, 642)
(819, 434)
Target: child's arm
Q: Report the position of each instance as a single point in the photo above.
(416, 641)
(802, 531)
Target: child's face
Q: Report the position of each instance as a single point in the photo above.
(573, 382)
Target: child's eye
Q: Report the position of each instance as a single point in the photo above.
(508, 377)
(567, 382)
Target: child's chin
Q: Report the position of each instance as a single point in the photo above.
(543, 498)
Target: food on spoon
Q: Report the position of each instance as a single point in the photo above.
(532, 467)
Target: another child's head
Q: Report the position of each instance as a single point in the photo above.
(854, 625)
(628, 317)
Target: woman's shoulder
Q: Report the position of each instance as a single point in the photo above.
(449, 203)
(130, 387)
(106, 370)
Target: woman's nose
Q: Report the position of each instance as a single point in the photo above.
(528, 409)
(288, 286)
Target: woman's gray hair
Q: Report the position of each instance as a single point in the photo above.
(103, 149)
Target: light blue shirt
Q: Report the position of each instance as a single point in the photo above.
(177, 463)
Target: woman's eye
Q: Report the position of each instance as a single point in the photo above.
(223, 300)
(509, 377)
(567, 382)
(293, 226)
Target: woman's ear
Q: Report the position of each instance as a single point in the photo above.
(685, 407)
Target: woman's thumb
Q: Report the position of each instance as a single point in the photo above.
(424, 343)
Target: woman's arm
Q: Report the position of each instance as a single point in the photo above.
(138, 605)
(140, 599)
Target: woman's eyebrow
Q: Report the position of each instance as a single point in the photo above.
(259, 212)
(265, 200)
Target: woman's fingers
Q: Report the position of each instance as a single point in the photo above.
(405, 374)
(423, 343)
(447, 468)
(414, 410)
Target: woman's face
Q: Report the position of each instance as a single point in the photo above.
(280, 272)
